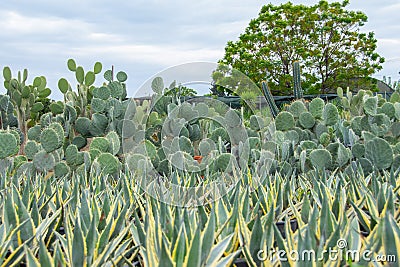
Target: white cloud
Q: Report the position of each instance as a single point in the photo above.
(143, 37)
(16, 24)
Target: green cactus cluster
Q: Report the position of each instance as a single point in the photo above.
(7, 117)
(26, 98)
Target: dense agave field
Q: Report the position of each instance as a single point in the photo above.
(101, 180)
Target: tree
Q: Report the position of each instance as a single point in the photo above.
(325, 38)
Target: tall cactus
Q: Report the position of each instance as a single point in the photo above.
(270, 99)
(297, 90)
(25, 98)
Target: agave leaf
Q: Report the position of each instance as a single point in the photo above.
(305, 209)
(44, 256)
(165, 257)
(353, 236)
(391, 238)
(227, 261)
(218, 250)
(16, 255)
(27, 231)
(362, 217)
(91, 239)
(111, 247)
(194, 253)
(30, 259)
(178, 254)
(256, 239)
(244, 239)
(281, 245)
(78, 246)
(207, 236)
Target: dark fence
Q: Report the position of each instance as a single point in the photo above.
(236, 102)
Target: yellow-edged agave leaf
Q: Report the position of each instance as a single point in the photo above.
(208, 237)
(31, 261)
(36, 218)
(78, 246)
(391, 237)
(17, 254)
(361, 215)
(244, 238)
(193, 258)
(111, 247)
(59, 259)
(91, 239)
(354, 236)
(45, 258)
(331, 241)
(218, 250)
(152, 239)
(222, 213)
(256, 239)
(226, 261)
(306, 249)
(165, 257)
(181, 247)
(281, 246)
(305, 209)
(389, 206)
(327, 221)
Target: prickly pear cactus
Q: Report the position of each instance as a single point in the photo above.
(330, 114)
(225, 162)
(8, 145)
(43, 161)
(316, 107)
(379, 152)
(31, 148)
(306, 120)
(100, 143)
(297, 108)
(49, 140)
(284, 121)
(108, 164)
(321, 158)
(61, 169)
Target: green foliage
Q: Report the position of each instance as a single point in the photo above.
(283, 35)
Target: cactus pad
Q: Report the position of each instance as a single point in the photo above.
(284, 121)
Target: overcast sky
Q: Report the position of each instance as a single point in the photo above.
(143, 37)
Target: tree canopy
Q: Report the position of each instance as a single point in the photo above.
(325, 38)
